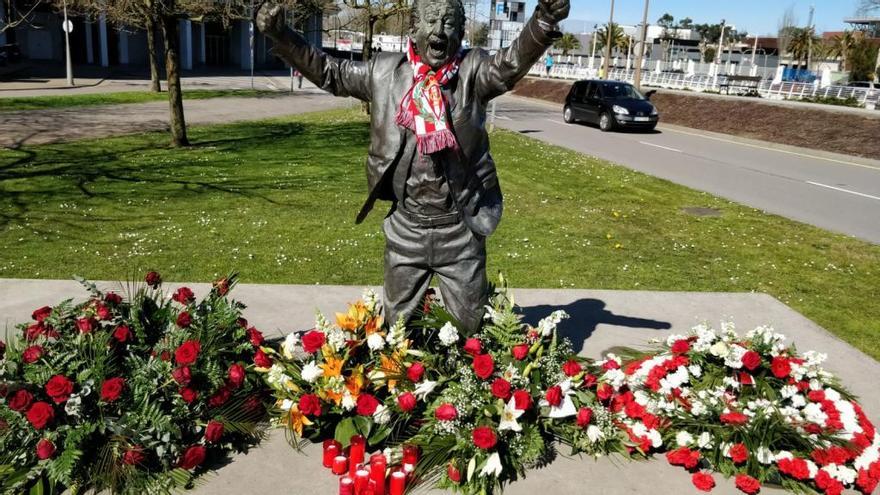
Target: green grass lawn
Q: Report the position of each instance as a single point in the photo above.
(276, 200)
(89, 99)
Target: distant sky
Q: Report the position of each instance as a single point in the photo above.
(754, 16)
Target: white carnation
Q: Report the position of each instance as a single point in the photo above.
(375, 341)
(448, 334)
(683, 439)
(382, 415)
(311, 372)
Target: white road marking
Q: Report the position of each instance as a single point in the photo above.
(843, 190)
(661, 147)
(555, 121)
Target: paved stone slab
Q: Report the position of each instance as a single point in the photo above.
(600, 320)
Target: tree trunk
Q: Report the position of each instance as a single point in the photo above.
(155, 84)
(368, 49)
(172, 70)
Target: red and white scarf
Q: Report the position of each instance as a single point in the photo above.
(423, 108)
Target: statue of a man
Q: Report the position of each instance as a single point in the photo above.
(429, 150)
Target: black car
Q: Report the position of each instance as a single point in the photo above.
(611, 104)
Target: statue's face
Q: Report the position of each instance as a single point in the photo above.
(438, 31)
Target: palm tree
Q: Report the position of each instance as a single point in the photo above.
(802, 40)
(618, 37)
(842, 45)
(567, 43)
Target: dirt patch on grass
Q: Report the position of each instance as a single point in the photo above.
(818, 129)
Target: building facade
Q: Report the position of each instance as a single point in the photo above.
(506, 21)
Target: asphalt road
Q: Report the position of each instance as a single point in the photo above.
(835, 192)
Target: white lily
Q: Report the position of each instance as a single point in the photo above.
(565, 408)
(424, 389)
(493, 466)
(382, 415)
(288, 348)
(509, 416)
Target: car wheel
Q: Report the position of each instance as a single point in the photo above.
(568, 115)
(606, 122)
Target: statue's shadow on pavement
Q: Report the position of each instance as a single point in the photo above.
(586, 315)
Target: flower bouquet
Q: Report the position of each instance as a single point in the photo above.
(128, 394)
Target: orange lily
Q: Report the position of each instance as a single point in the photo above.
(332, 366)
(296, 420)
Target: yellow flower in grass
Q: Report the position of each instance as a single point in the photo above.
(295, 420)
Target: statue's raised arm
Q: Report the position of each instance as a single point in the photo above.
(337, 76)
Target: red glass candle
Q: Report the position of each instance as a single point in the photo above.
(340, 465)
(346, 486)
(330, 453)
(411, 454)
(377, 473)
(398, 483)
(356, 454)
(361, 480)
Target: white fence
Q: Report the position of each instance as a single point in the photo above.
(767, 88)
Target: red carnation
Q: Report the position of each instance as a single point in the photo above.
(406, 401)
(483, 365)
(610, 365)
(261, 360)
(193, 457)
(20, 400)
(453, 473)
(312, 341)
(604, 391)
(584, 416)
(310, 405)
(45, 449)
(590, 380)
(520, 351)
(683, 457)
(187, 353)
(220, 397)
(366, 404)
(188, 395)
(213, 431)
(122, 334)
(182, 375)
(484, 437)
(184, 296)
(133, 456)
(86, 325)
(40, 414)
(473, 346)
(681, 346)
(554, 395)
(781, 367)
(739, 453)
(112, 298)
(111, 389)
(255, 336)
(153, 279)
(734, 418)
(103, 312)
(41, 313)
(571, 368)
(236, 375)
(751, 360)
(446, 412)
(33, 331)
(59, 388)
(184, 319)
(501, 388)
(703, 481)
(747, 484)
(522, 400)
(415, 372)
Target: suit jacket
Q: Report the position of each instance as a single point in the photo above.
(384, 80)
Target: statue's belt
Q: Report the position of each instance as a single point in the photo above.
(432, 220)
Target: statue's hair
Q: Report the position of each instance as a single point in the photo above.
(456, 4)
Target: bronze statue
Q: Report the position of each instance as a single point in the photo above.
(429, 150)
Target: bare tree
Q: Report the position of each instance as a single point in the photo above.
(14, 16)
(370, 12)
(787, 29)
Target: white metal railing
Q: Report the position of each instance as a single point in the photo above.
(865, 97)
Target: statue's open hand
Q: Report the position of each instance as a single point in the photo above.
(270, 20)
(553, 11)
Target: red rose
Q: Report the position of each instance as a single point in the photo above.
(33, 331)
(604, 391)
(112, 298)
(781, 367)
(310, 405)
(453, 473)
(165, 356)
(86, 325)
(213, 431)
(747, 484)
(501, 388)
(41, 313)
(184, 296)
(703, 481)
(473, 346)
(193, 457)
(103, 312)
(739, 453)
(184, 319)
(681, 346)
(751, 360)
(484, 365)
(734, 418)
(584, 416)
(746, 379)
(236, 375)
(261, 360)
(255, 336)
(188, 395)
(522, 400)
(590, 380)
(366, 404)
(554, 395)
(112, 388)
(415, 372)
(133, 456)
(153, 279)
(45, 449)
(20, 400)
(446, 412)
(484, 437)
(59, 388)
(187, 353)
(220, 397)
(571, 368)
(520, 351)
(122, 334)
(182, 375)
(40, 414)
(313, 341)
(406, 401)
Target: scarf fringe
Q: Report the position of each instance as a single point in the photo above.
(405, 119)
(437, 141)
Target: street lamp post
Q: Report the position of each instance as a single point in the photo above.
(640, 55)
(608, 35)
(593, 54)
(67, 26)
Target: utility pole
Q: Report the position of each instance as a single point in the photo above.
(810, 33)
(593, 54)
(755, 50)
(608, 34)
(720, 43)
(251, 30)
(637, 79)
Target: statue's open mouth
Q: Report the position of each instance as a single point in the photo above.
(437, 47)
